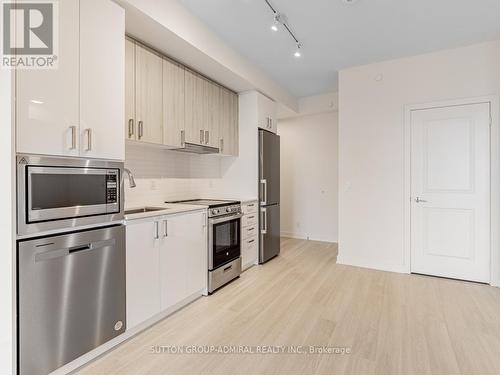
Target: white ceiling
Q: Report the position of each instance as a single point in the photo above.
(336, 35)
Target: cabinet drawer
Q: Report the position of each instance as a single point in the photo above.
(249, 251)
(249, 220)
(250, 207)
(247, 232)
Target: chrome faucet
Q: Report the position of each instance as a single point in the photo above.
(131, 181)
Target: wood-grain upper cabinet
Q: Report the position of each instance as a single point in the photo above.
(77, 109)
(148, 95)
(195, 108)
(173, 103)
(228, 125)
(130, 124)
(169, 104)
(213, 114)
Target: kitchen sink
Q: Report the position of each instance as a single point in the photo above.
(143, 210)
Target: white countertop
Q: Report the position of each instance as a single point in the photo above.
(166, 209)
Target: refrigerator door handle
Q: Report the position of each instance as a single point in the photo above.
(263, 183)
(263, 212)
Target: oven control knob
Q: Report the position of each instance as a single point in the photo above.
(228, 209)
(215, 211)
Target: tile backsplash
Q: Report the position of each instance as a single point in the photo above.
(170, 175)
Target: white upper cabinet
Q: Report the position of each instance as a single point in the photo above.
(102, 68)
(130, 123)
(266, 113)
(173, 103)
(77, 109)
(148, 95)
(47, 101)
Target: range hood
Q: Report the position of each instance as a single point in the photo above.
(197, 149)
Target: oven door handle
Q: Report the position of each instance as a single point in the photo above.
(222, 219)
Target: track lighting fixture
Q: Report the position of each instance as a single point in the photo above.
(281, 19)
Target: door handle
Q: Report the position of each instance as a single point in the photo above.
(183, 137)
(418, 200)
(89, 139)
(264, 221)
(207, 136)
(201, 136)
(222, 145)
(264, 191)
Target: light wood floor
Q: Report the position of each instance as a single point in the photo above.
(393, 323)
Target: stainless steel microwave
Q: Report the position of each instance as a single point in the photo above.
(57, 193)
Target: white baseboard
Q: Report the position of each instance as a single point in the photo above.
(302, 236)
(363, 263)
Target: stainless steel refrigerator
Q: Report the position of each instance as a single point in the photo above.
(269, 195)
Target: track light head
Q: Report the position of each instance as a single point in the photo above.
(275, 25)
(297, 52)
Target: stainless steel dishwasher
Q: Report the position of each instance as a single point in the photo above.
(71, 295)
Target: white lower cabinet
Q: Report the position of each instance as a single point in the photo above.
(166, 263)
(249, 234)
(143, 271)
(182, 257)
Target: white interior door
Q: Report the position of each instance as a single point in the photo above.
(450, 192)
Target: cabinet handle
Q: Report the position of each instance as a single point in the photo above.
(221, 145)
(140, 129)
(251, 217)
(130, 128)
(183, 137)
(202, 134)
(73, 137)
(165, 228)
(251, 241)
(88, 132)
(207, 136)
(157, 231)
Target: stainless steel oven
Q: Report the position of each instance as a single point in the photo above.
(224, 247)
(57, 193)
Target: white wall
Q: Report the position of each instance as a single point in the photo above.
(6, 227)
(309, 183)
(371, 121)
